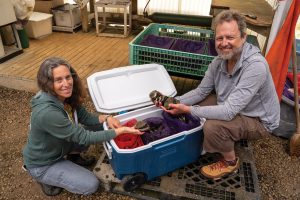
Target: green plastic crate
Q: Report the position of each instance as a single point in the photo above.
(176, 62)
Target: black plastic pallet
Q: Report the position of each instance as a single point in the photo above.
(187, 183)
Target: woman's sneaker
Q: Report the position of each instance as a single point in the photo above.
(50, 190)
(219, 169)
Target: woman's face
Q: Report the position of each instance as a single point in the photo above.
(62, 82)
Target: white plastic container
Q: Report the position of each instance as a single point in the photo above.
(67, 15)
(39, 25)
(128, 88)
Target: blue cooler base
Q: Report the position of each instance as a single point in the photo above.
(158, 157)
(188, 183)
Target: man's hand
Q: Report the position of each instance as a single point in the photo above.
(176, 109)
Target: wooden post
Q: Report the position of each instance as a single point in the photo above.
(92, 10)
(84, 19)
(134, 7)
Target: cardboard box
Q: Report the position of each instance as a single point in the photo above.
(39, 25)
(67, 15)
(45, 6)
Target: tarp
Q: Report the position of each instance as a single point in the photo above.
(282, 10)
(279, 54)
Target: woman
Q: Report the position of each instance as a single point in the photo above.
(56, 137)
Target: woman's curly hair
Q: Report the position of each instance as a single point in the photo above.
(45, 80)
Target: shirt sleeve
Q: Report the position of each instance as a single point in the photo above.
(251, 80)
(202, 91)
(58, 125)
(86, 118)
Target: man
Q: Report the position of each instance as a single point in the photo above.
(245, 105)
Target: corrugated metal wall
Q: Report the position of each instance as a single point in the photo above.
(192, 7)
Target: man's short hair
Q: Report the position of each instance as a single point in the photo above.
(228, 16)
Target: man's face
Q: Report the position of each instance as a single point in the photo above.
(228, 40)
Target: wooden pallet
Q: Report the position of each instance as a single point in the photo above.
(188, 183)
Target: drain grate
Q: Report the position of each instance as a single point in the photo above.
(188, 183)
(201, 189)
(249, 184)
(155, 182)
(242, 180)
(105, 160)
(243, 143)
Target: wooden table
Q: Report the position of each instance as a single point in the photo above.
(124, 4)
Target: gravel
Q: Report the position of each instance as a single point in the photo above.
(278, 173)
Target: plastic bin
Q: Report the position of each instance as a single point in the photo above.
(157, 41)
(298, 46)
(67, 15)
(128, 88)
(287, 124)
(176, 62)
(23, 38)
(39, 25)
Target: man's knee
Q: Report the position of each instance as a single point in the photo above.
(211, 127)
(216, 137)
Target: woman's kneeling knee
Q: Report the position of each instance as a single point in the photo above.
(91, 186)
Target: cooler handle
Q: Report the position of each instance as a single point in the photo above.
(176, 140)
(107, 149)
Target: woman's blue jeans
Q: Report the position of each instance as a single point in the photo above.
(68, 175)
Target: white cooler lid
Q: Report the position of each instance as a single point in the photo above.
(128, 88)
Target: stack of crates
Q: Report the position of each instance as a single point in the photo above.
(176, 62)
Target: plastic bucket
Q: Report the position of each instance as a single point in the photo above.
(287, 125)
(23, 38)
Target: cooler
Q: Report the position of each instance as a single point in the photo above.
(127, 89)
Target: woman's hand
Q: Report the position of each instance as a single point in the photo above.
(130, 130)
(113, 122)
(176, 109)
(110, 120)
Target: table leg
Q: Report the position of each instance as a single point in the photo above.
(96, 19)
(104, 17)
(125, 21)
(130, 16)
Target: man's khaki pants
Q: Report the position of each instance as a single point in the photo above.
(220, 136)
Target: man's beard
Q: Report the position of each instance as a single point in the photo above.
(230, 55)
